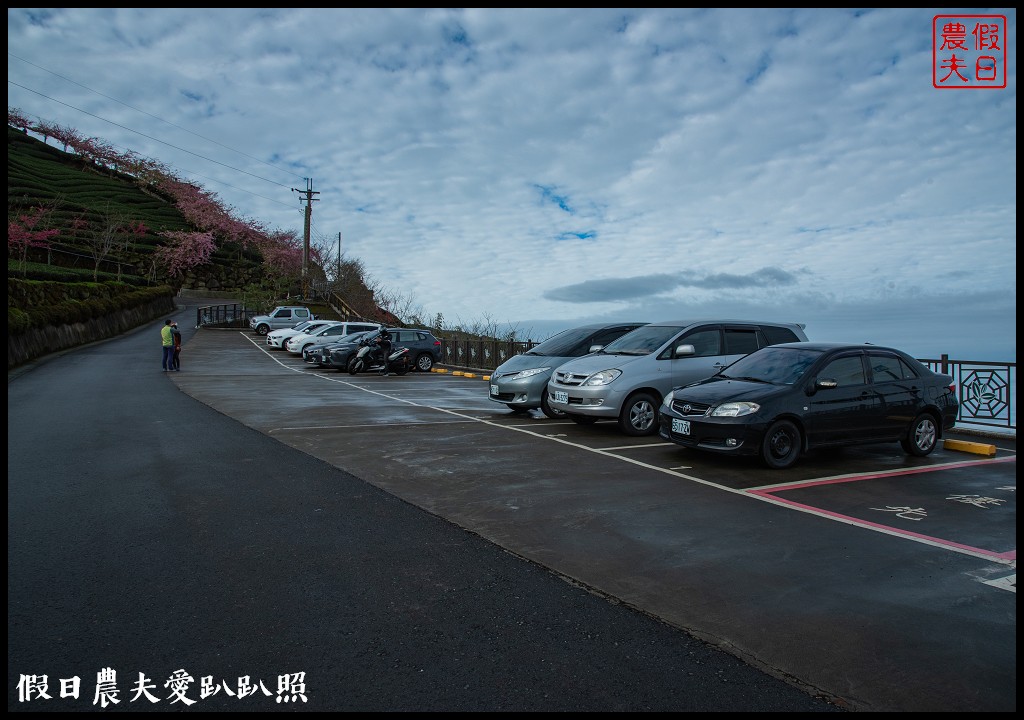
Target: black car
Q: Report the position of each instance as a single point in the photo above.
(783, 400)
(314, 352)
(423, 346)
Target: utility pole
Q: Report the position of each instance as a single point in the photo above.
(338, 278)
(305, 235)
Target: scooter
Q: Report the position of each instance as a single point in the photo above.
(368, 357)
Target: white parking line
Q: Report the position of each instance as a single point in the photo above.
(760, 493)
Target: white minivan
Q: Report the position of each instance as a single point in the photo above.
(628, 378)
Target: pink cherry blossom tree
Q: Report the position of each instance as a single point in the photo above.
(17, 119)
(29, 230)
(184, 251)
(214, 222)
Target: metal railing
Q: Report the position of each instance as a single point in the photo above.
(229, 316)
(481, 354)
(985, 390)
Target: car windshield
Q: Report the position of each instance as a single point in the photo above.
(775, 364)
(642, 341)
(568, 343)
(351, 337)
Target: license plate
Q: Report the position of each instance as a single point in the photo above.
(494, 389)
(680, 427)
(561, 397)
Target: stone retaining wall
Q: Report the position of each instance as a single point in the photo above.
(37, 343)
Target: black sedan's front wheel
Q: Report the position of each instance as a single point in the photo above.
(781, 445)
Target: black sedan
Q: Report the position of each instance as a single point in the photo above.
(316, 353)
(783, 400)
(325, 357)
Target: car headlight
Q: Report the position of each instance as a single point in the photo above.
(667, 402)
(735, 409)
(523, 374)
(602, 378)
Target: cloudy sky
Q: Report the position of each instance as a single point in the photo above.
(544, 168)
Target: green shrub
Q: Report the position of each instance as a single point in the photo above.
(69, 311)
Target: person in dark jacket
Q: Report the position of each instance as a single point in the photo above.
(384, 348)
(176, 337)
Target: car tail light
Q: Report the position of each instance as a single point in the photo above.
(952, 388)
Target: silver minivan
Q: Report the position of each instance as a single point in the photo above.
(627, 379)
(519, 382)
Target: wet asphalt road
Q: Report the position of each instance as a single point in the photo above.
(150, 534)
(816, 583)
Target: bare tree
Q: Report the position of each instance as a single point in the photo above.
(115, 232)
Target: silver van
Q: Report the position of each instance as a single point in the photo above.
(520, 381)
(283, 316)
(627, 379)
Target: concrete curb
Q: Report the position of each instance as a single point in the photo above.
(970, 447)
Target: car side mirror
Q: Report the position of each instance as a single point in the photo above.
(685, 350)
(826, 383)
(595, 348)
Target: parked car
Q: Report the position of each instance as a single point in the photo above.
(313, 353)
(294, 344)
(283, 316)
(424, 347)
(627, 379)
(320, 355)
(276, 338)
(784, 400)
(337, 355)
(334, 330)
(520, 382)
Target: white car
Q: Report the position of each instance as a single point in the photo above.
(297, 343)
(277, 338)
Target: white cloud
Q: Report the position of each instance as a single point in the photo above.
(505, 163)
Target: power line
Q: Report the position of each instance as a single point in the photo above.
(235, 187)
(150, 137)
(155, 117)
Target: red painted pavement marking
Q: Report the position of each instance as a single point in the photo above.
(1010, 555)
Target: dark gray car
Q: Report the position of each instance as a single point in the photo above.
(423, 346)
(520, 381)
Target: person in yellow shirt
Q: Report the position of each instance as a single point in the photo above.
(167, 339)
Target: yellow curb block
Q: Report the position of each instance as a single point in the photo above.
(971, 447)
(461, 373)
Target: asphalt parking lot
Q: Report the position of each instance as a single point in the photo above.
(880, 579)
